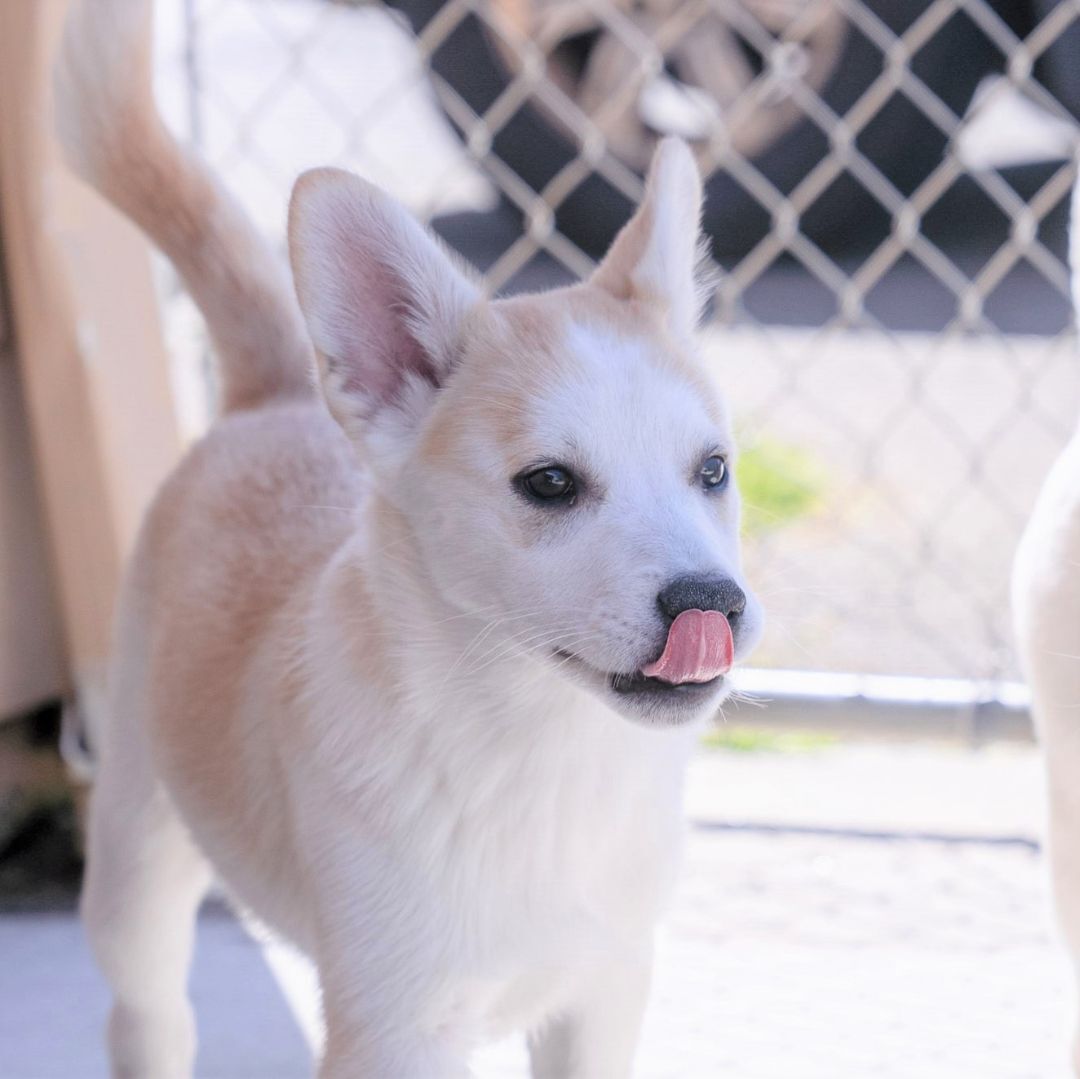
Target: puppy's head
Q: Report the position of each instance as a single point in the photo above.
(563, 460)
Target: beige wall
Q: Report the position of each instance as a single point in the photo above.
(31, 662)
(94, 385)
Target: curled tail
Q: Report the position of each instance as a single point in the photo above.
(114, 136)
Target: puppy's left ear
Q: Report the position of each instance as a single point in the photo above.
(655, 257)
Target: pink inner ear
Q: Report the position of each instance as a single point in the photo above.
(382, 300)
(377, 347)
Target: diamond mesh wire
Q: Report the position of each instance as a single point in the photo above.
(887, 186)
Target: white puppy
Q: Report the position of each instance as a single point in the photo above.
(1046, 605)
(416, 673)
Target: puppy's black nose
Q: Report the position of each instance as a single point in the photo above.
(702, 594)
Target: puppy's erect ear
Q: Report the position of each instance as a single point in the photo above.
(655, 256)
(383, 301)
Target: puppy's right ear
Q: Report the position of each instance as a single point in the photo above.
(656, 257)
(383, 300)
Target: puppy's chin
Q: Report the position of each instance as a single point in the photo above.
(669, 706)
(648, 701)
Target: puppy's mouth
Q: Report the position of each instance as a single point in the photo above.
(698, 653)
(628, 685)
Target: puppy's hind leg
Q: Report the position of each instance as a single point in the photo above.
(144, 883)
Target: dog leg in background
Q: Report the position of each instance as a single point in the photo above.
(599, 1037)
(1046, 603)
(1046, 609)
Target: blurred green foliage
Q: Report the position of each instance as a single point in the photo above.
(780, 483)
(756, 740)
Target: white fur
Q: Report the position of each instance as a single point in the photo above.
(670, 263)
(335, 675)
(1046, 605)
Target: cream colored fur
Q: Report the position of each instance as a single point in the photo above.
(356, 671)
(1046, 606)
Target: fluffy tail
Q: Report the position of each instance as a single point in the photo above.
(117, 141)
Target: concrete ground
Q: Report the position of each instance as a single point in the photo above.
(846, 912)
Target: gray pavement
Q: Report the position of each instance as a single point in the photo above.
(860, 911)
(855, 911)
(53, 1004)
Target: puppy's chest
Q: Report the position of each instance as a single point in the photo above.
(566, 857)
(556, 903)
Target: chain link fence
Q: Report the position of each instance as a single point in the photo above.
(887, 197)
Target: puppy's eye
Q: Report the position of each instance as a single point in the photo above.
(552, 484)
(714, 473)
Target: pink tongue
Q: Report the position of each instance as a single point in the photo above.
(699, 648)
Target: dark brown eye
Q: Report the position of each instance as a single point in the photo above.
(552, 484)
(713, 473)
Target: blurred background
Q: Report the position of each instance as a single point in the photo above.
(887, 197)
(887, 193)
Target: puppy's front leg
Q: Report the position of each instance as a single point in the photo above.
(597, 1039)
(379, 945)
(378, 1025)
(357, 1050)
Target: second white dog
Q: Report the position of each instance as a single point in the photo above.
(1046, 604)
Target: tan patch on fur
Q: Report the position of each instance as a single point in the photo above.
(223, 569)
(510, 350)
(514, 348)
